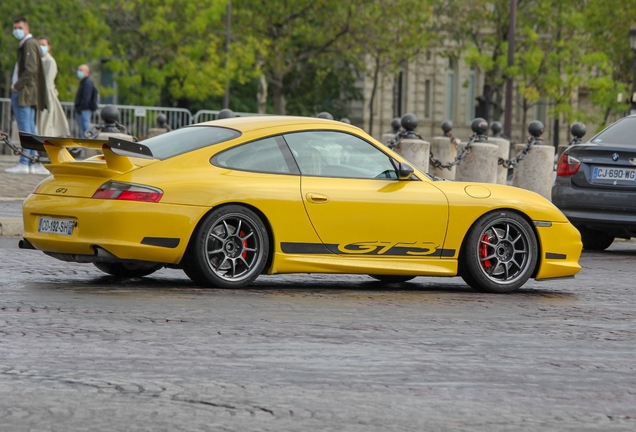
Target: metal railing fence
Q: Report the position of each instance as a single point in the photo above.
(137, 119)
(208, 115)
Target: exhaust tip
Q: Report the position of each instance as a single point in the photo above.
(25, 244)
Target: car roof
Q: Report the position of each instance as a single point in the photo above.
(253, 123)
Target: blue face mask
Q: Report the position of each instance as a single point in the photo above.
(18, 33)
(80, 74)
(44, 48)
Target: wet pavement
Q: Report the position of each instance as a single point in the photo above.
(82, 351)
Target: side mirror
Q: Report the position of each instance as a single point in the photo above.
(404, 171)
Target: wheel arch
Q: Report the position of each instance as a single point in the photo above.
(259, 213)
(527, 219)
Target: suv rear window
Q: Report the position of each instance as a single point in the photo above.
(188, 139)
(623, 132)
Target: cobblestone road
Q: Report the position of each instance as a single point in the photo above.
(79, 351)
(16, 185)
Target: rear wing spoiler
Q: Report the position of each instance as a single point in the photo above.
(116, 151)
(117, 145)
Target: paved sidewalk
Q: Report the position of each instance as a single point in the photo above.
(14, 188)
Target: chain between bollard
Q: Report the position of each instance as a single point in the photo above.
(19, 150)
(508, 163)
(93, 132)
(397, 139)
(439, 165)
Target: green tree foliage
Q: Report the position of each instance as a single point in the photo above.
(478, 29)
(311, 53)
(297, 38)
(77, 35)
(557, 50)
(167, 50)
(391, 33)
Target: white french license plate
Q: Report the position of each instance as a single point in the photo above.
(56, 226)
(607, 173)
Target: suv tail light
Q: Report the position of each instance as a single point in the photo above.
(128, 191)
(567, 166)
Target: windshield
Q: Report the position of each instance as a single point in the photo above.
(623, 132)
(187, 139)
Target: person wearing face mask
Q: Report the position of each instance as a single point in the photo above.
(28, 92)
(85, 100)
(51, 121)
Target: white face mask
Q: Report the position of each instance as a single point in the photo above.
(18, 33)
(44, 48)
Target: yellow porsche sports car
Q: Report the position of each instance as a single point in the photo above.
(229, 200)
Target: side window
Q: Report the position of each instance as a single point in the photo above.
(260, 156)
(337, 154)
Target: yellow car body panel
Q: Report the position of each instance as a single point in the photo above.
(367, 226)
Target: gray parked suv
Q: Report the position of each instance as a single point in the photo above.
(596, 185)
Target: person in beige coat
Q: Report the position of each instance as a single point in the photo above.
(51, 121)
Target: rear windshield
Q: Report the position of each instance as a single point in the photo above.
(623, 132)
(187, 139)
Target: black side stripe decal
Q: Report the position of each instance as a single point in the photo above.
(550, 255)
(329, 249)
(305, 248)
(166, 242)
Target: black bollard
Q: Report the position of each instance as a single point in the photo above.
(325, 115)
(409, 123)
(479, 126)
(447, 126)
(535, 129)
(395, 125)
(225, 113)
(496, 129)
(110, 117)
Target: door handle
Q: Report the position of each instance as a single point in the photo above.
(317, 198)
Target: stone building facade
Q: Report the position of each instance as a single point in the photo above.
(436, 89)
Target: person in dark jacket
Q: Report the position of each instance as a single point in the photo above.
(85, 100)
(28, 91)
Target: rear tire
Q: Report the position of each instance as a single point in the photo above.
(594, 240)
(389, 279)
(229, 249)
(128, 269)
(499, 253)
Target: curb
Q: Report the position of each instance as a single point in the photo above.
(11, 227)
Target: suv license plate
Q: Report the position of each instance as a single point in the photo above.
(608, 173)
(56, 226)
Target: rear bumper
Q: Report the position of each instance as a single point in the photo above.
(129, 230)
(617, 224)
(610, 211)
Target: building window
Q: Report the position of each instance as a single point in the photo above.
(427, 99)
(519, 107)
(399, 93)
(540, 111)
(451, 89)
(472, 89)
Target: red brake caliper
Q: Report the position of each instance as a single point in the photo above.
(244, 254)
(483, 251)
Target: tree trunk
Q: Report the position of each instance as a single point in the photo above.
(524, 117)
(376, 72)
(261, 95)
(278, 95)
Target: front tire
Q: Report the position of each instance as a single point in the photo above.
(595, 240)
(229, 249)
(128, 269)
(499, 253)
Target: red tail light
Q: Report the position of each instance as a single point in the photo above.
(567, 166)
(128, 192)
